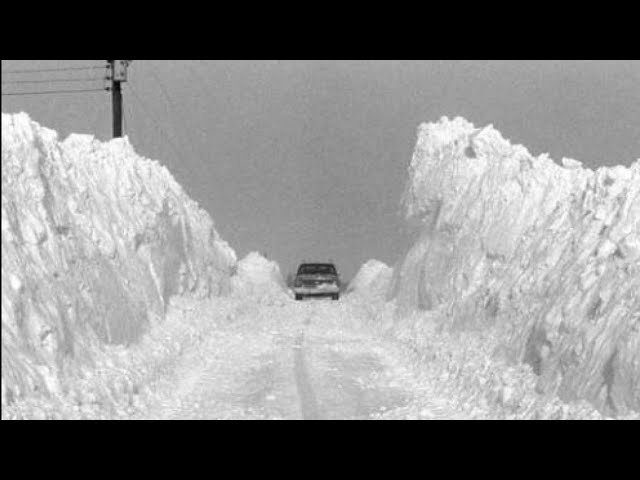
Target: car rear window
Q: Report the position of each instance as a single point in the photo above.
(314, 268)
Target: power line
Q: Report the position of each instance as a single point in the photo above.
(201, 79)
(62, 69)
(153, 121)
(191, 127)
(43, 92)
(162, 89)
(184, 121)
(54, 80)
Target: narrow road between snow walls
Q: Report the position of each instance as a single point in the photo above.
(304, 360)
(517, 298)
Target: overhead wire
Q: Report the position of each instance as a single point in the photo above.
(184, 119)
(53, 80)
(44, 92)
(17, 82)
(153, 121)
(60, 69)
(199, 78)
(143, 106)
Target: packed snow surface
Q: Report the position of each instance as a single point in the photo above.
(546, 257)
(95, 241)
(274, 358)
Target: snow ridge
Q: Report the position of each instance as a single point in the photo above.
(95, 241)
(549, 255)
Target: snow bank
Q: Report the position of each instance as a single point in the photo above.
(546, 255)
(95, 241)
(128, 382)
(259, 277)
(372, 279)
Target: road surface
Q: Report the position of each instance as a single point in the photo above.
(297, 360)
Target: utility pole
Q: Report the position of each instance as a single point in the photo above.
(118, 75)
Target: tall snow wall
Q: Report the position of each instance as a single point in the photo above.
(548, 255)
(95, 240)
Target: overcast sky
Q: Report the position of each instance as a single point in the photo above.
(307, 159)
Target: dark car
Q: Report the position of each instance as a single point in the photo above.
(317, 280)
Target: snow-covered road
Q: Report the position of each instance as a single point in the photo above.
(518, 299)
(296, 360)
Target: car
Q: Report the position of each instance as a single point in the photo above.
(317, 280)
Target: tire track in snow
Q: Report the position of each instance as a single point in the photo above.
(308, 400)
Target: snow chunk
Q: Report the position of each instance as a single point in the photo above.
(372, 279)
(258, 276)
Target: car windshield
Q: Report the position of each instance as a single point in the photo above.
(316, 268)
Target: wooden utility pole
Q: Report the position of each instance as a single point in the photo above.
(118, 75)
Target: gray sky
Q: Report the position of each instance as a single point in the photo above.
(307, 159)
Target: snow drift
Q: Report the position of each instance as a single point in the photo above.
(95, 241)
(548, 256)
(256, 276)
(372, 279)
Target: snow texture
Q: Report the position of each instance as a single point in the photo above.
(95, 242)
(258, 277)
(372, 279)
(119, 299)
(544, 256)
